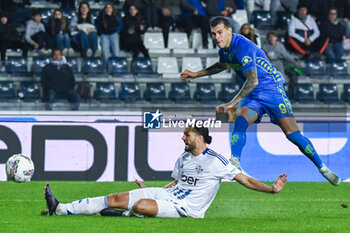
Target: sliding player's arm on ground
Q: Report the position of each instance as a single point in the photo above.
(142, 185)
(250, 83)
(214, 69)
(257, 185)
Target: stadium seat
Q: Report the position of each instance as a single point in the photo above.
(130, 92)
(338, 69)
(228, 91)
(30, 91)
(155, 92)
(178, 41)
(205, 93)
(93, 67)
(73, 63)
(7, 91)
(283, 18)
(46, 14)
(94, 14)
(346, 93)
(197, 40)
(38, 64)
(192, 63)
(142, 67)
(262, 20)
(168, 67)
(105, 92)
(304, 93)
(17, 66)
(118, 67)
(315, 68)
(222, 75)
(240, 16)
(69, 13)
(328, 94)
(180, 93)
(154, 42)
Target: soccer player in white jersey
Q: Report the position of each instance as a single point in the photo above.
(198, 173)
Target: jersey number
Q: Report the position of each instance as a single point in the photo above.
(283, 108)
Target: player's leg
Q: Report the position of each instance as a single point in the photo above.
(245, 117)
(292, 132)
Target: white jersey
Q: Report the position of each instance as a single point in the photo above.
(199, 180)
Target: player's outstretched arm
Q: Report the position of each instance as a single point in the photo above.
(257, 185)
(216, 68)
(250, 83)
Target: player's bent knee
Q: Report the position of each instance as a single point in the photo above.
(146, 207)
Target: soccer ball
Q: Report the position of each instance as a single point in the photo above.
(19, 168)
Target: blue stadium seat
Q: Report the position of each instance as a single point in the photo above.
(69, 13)
(118, 67)
(7, 91)
(38, 64)
(328, 94)
(262, 20)
(304, 93)
(17, 66)
(94, 14)
(315, 68)
(283, 18)
(130, 92)
(228, 91)
(73, 63)
(346, 93)
(142, 67)
(338, 69)
(93, 66)
(30, 91)
(180, 93)
(205, 93)
(155, 92)
(46, 14)
(105, 92)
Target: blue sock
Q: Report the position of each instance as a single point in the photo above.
(238, 137)
(306, 147)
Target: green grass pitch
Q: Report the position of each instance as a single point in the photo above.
(300, 207)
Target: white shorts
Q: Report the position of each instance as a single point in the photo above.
(167, 207)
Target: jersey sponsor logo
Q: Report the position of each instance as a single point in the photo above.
(189, 180)
(246, 60)
(236, 67)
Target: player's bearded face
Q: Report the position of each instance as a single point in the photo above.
(189, 139)
(221, 35)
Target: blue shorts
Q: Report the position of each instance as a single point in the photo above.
(273, 101)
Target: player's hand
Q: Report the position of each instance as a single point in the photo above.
(279, 184)
(187, 74)
(140, 184)
(223, 108)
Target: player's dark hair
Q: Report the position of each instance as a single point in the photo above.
(204, 131)
(217, 20)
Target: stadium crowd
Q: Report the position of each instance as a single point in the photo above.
(316, 29)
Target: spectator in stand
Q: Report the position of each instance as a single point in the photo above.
(343, 9)
(57, 80)
(196, 17)
(223, 8)
(83, 31)
(149, 11)
(304, 35)
(170, 15)
(35, 35)
(109, 24)
(18, 11)
(58, 29)
(134, 26)
(248, 32)
(318, 9)
(276, 52)
(10, 39)
(289, 6)
(335, 31)
(264, 4)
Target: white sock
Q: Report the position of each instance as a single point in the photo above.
(86, 206)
